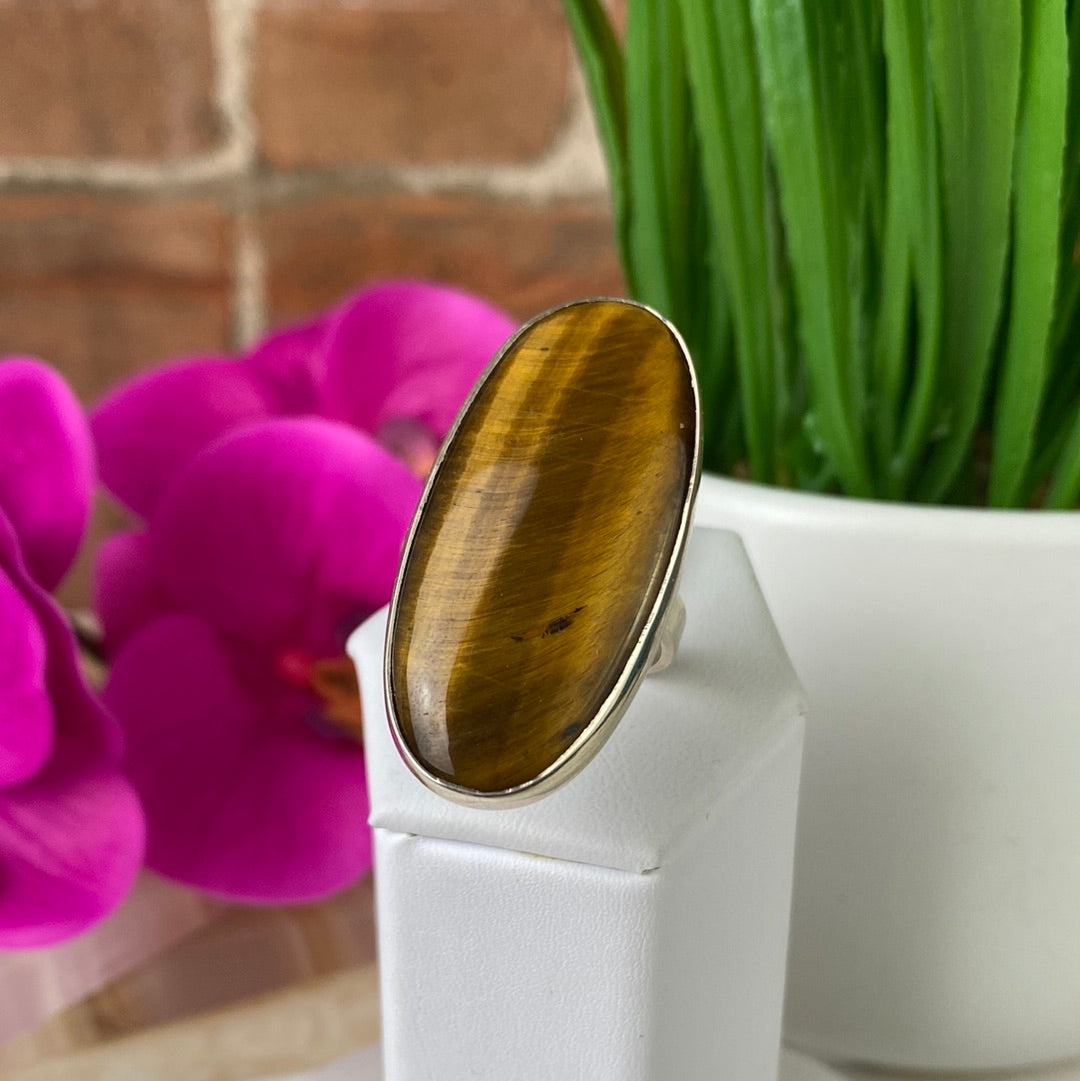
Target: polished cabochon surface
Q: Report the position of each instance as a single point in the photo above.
(542, 547)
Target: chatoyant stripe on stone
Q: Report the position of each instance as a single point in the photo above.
(542, 547)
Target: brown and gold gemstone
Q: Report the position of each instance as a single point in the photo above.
(543, 546)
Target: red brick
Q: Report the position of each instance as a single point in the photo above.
(418, 81)
(101, 287)
(106, 78)
(524, 257)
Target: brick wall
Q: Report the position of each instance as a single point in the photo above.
(179, 175)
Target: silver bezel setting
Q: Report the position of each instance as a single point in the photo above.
(638, 662)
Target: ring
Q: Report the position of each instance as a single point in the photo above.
(537, 581)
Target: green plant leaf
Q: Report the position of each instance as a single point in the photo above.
(911, 290)
(805, 133)
(1070, 210)
(659, 158)
(603, 66)
(1064, 492)
(862, 23)
(1057, 415)
(846, 78)
(859, 215)
(671, 241)
(901, 208)
(1039, 162)
(975, 53)
(709, 332)
(727, 115)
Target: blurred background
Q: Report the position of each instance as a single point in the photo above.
(178, 177)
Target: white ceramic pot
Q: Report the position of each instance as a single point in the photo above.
(936, 919)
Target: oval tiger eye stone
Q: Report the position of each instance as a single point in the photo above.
(542, 546)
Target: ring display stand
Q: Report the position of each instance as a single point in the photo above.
(630, 926)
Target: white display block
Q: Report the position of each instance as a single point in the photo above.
(630, 926)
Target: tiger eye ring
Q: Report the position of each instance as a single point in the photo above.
(541, 567)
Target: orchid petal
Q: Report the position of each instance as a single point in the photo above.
(127, 595)
(285, 534)
(290, 365)
(243, 799)
(71, 842)
(78, 714)
(46, 466)
(409, 350)
(26, 720)
(153, 425)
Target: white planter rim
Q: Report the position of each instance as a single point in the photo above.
(845, 514)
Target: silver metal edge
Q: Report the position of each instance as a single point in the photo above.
(611, 710)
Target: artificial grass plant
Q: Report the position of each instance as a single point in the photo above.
(863, 215)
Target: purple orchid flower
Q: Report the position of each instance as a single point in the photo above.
(71, 827)
(277, 490)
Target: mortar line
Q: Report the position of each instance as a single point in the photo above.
(573, 165)
(232, 23)
(250, 309)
